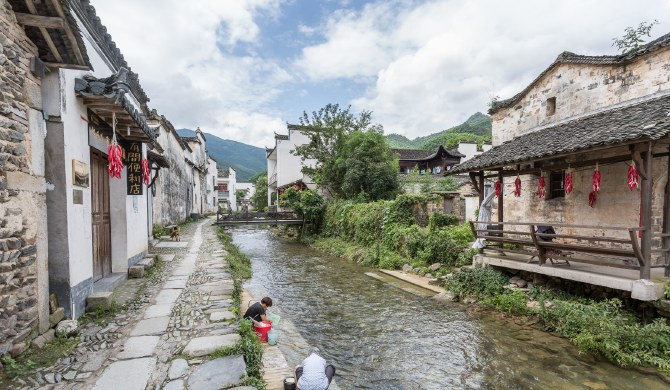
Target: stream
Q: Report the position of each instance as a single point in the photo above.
(382, 334)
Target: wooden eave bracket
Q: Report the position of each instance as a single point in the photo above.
(473, 179)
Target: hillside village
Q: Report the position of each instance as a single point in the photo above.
(131, 250)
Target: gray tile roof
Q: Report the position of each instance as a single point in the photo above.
(570, 58)
(646, 120)
(423, 155)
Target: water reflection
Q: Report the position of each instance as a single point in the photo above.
(381, 337)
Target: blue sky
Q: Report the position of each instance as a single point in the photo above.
(241, 69)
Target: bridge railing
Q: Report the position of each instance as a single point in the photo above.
(223, 216)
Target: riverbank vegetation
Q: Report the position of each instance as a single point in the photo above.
(602, 327)
(390, 234)
(239, 266)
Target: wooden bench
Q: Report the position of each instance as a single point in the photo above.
(568, 250)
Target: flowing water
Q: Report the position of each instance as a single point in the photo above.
(381, 335)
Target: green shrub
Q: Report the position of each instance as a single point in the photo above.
(460, 234)
(511, 302)
(158, 231)
(438, 221)
(478, 282)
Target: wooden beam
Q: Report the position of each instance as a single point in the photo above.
(481, 187)
(68, 31)
(666, 220)
(38, 20)
(645, 211)
(474, 181)
(558, 167)
(66, 66)
(500, 198)
(45, 33)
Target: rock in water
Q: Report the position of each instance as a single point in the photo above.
(406, 268)
(67, 328)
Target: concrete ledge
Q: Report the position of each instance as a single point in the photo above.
(643, 290)
(99, 299)
(110, 282)
(147, 262)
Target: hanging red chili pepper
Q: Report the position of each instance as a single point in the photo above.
(517, 186)
(114, 153)
(596, 179)
(541, 191)
(498, 189)
(567, 184)
(632, 176)
(145, 171)
(593, 196)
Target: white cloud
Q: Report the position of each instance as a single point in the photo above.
(434, 63)
(183, 53)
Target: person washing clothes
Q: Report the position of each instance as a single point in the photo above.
(314, 373)
(256, 312)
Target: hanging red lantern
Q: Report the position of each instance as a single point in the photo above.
(593, 196)
(596, 179)
(517, 186)
(633, 176)
(567, 185)
(498, 189)
(114, 153)
(541, 191)
(145, 171)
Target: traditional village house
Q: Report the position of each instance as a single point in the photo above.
(212, 177)
(34, 39)
(428, 162)
(567, 151)
(284, 167)
(172, 180)
(198, 160)
(98, 224)
(249, 190)
(227, 184)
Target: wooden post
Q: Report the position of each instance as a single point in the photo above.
(500, 199)
(666, 221)
(645, 211)
(481, 188)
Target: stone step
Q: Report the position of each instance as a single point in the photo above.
(136, 272)
(147, 262)
(201, 346)
(102, 299)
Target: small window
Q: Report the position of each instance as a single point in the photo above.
(551, 106)
(556, 189)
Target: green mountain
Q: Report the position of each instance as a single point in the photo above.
(476, 129)
(246, 160)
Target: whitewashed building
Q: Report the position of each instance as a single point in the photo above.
(284, 167)
(227, 184)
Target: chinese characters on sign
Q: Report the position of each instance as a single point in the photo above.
(134, 156)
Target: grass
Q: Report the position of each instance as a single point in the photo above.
(32, 359)
(239, 266)
(604, 328)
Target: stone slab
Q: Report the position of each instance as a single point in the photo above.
(175, 385)
(57, 316)
(218, 373)
(147, 262)
(184, 269)
(175, 284)
(172, 244)
(95, 361)
(101, 299)
(167, 258)
(201, 346)
(167, 296)
(127, 375)
(136, 272)
(137, 347)
(222, 316)
(178, 369)
(162, 310)
(151, 326)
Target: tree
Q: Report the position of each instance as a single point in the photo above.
(240, 194)
(260, 197)
(634, 37)
(350, 159)
(305, 203)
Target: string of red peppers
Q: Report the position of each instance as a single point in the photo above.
(517, 186)
(145, 171)
(567, 184)
(114, 153)
(498, 189)
(633, 176)
(541, 191)
(593, 195)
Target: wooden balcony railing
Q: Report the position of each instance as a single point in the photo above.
(564, 244)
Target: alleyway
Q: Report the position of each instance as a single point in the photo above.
(160, 341)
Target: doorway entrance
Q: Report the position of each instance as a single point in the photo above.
(102, 227)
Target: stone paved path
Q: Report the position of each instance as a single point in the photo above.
(187, 317)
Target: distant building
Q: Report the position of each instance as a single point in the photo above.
(285, 168)
(249, 190)
(428, 161)
(227, 184)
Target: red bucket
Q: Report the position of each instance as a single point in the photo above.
(262, 330)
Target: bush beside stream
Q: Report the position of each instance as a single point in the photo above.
(600, 327)
(387, 234)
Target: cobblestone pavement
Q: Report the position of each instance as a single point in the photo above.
(160, 341)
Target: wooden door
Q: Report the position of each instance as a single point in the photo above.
(102, 228)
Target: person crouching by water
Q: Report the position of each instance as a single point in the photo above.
(314, 373)
(256, 312)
